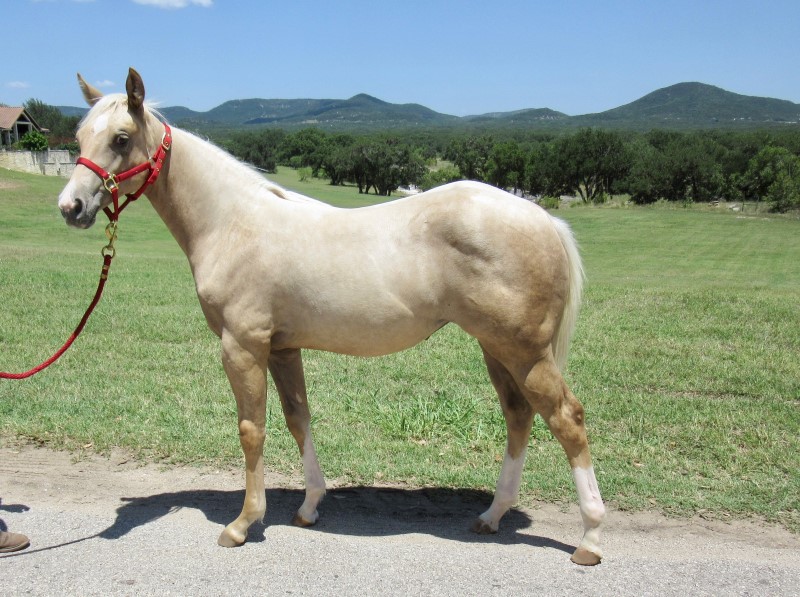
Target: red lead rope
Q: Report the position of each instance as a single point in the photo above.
(103, 277)
(111, 183)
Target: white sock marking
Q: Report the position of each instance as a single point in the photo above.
(592, 508)
(315, 482)
(507, 489)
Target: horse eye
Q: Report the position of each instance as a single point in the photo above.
(121, 140)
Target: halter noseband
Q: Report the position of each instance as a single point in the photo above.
(111, 181)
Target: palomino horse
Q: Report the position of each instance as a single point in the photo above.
(277, 272)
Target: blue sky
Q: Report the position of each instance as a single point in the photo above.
(575, 56)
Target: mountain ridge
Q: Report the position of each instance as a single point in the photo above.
(682, 105)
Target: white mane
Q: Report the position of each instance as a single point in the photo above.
(254, 177)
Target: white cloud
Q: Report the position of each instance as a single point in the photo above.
(169, 4)
(104, 83)
(18, 84)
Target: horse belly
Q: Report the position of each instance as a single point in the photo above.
(358, 339)
(361, 327)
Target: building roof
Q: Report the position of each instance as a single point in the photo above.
(10, 115)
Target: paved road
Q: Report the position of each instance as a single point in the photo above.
(111, 527)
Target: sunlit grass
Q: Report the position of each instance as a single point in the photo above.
(685, 357)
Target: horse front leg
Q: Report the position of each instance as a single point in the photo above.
(246, 372)
(286, 367)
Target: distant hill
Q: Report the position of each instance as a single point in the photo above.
(532, 116)
(72, 111)
(697, 104)
(361, 109)
(681, 106)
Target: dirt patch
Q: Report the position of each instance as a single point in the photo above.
(86, 481)
(7, 185)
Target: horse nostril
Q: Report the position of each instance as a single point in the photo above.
(77, 208)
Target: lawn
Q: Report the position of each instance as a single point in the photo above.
(685, 357)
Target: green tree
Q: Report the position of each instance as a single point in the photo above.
(675, 167)
(471, 156)
(774, 176)
(694, 166)
(336, 157)
(306, 147)
(589, 163)
(259, 148)
(62, 128)
(648, 179)
(541, 172)
(505, 167)
(763, 170)
(784, 193)
(385, 164)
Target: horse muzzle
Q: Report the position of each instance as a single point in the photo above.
(78, 212)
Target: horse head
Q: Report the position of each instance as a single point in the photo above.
(113, 137)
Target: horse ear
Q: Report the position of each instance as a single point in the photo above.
(90, 94)
(135, 89)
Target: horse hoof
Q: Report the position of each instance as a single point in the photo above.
(228, 539)
(584, 557)
(299, 521)
(482, 527)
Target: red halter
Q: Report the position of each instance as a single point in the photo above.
(111, 181)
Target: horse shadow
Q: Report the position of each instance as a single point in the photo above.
(358, 511)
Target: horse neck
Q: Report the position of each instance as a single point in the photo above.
(193, 194)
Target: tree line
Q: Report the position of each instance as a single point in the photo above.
(592, 164)
(380, 163)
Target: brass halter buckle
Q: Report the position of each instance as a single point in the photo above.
(111, 184)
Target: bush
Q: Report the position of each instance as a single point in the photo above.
(435, 178)
(71, 147)
(550, 202)
(33, 141)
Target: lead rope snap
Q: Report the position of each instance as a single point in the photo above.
(111, 234)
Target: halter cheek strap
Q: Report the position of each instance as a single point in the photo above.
(111, 181)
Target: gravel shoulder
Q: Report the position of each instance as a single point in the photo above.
(113, 526)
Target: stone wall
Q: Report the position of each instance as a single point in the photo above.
(53, 162)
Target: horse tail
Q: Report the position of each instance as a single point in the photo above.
(576, 276)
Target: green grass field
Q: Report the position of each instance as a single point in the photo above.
(686, 357)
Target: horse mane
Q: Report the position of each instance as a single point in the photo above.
(254, 177)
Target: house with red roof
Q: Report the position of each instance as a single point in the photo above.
(14, 123)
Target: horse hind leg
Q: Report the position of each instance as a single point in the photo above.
(549, 395)
(286, 368)
(519, 418)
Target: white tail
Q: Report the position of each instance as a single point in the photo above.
(571, 309)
